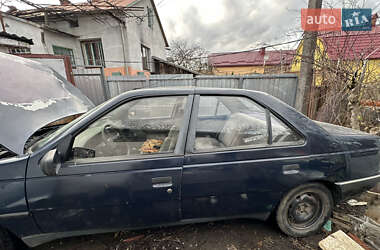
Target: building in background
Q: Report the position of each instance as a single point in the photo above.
(251, 62)
(14, 44)
(120, 35)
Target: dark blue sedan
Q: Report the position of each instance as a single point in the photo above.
(159, 157)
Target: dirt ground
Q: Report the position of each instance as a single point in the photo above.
(230, 235)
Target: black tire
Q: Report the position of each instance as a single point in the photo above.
(304, 210)
(6, 240)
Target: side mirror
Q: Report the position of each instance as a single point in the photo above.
(50, 163)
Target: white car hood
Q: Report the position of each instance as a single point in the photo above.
(32, 96)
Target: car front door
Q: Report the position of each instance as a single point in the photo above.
(124, 171)
(236, 155)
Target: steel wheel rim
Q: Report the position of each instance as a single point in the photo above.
(304, 210)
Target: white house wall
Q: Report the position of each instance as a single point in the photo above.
(58, 39)
(108, 31)
(21, 27)
(141, 33)
(136, 33)
(30, 30)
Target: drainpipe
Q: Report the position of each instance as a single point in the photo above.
(122, 26)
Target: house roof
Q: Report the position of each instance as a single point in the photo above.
(16, 37)
(174, 65)
(95, 5)
(353, 45)
(252, 58)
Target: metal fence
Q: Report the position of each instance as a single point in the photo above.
(91, 82)
(282, 86)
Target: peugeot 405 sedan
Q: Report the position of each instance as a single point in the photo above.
(169, 156)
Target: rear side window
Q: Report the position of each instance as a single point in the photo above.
(225, 122)
(229, 121)
(282, 134)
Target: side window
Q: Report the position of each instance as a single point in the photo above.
(230, 121)
(282, 134)
(212, 106)
(142, 126)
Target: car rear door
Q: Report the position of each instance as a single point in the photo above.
(120, 176)
(235, 158)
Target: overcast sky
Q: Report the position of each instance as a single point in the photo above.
(231, 25)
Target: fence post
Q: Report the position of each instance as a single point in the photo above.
(106, 90)
(240, 85)
(147, 81)
(194, 82)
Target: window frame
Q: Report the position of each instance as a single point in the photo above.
(179, 148)
(69, 50)
(19, 50)
(145, 60)
(150, 17)
(99, 43)
(268, 112)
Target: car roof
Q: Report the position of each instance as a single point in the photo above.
(193, 90)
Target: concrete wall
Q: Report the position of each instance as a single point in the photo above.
(108, 31)
(111, 34)
(141, 33)
(35, 31)
(56, 64)
(27, 29)
(61, 40)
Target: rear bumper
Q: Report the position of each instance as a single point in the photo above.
(356, 186)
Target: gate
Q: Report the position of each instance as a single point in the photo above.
(91, 82)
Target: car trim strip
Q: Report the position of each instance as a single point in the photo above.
(358, 180)
(272, 159)
(9, 215)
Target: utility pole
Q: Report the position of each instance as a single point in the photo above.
(307, 60)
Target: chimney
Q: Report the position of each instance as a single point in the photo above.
(262, 51)
(374, 19)
(65, 2)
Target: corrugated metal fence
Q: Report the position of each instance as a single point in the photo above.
(91, 82)
(282, 86)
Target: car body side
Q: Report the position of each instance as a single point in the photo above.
(326, 158)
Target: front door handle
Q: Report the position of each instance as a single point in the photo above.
(162, 182)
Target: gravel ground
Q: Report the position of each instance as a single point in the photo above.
(229, 235)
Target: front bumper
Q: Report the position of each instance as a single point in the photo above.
(356, 186)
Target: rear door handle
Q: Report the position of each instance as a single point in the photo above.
(162, 182)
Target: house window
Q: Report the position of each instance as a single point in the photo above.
(145, 52)
(18, 50)
(93, 53)
(150, 17)
(57, 50)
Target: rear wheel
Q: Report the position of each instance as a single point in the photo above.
(304, 210)
(6, 240)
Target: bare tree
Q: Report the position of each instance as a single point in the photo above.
(188, 55)
(347, 83)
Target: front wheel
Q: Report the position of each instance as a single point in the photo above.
(304, 210)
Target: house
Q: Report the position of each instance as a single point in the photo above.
(119, 35)
(251, 62)
(13, 44)
(352, 48)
